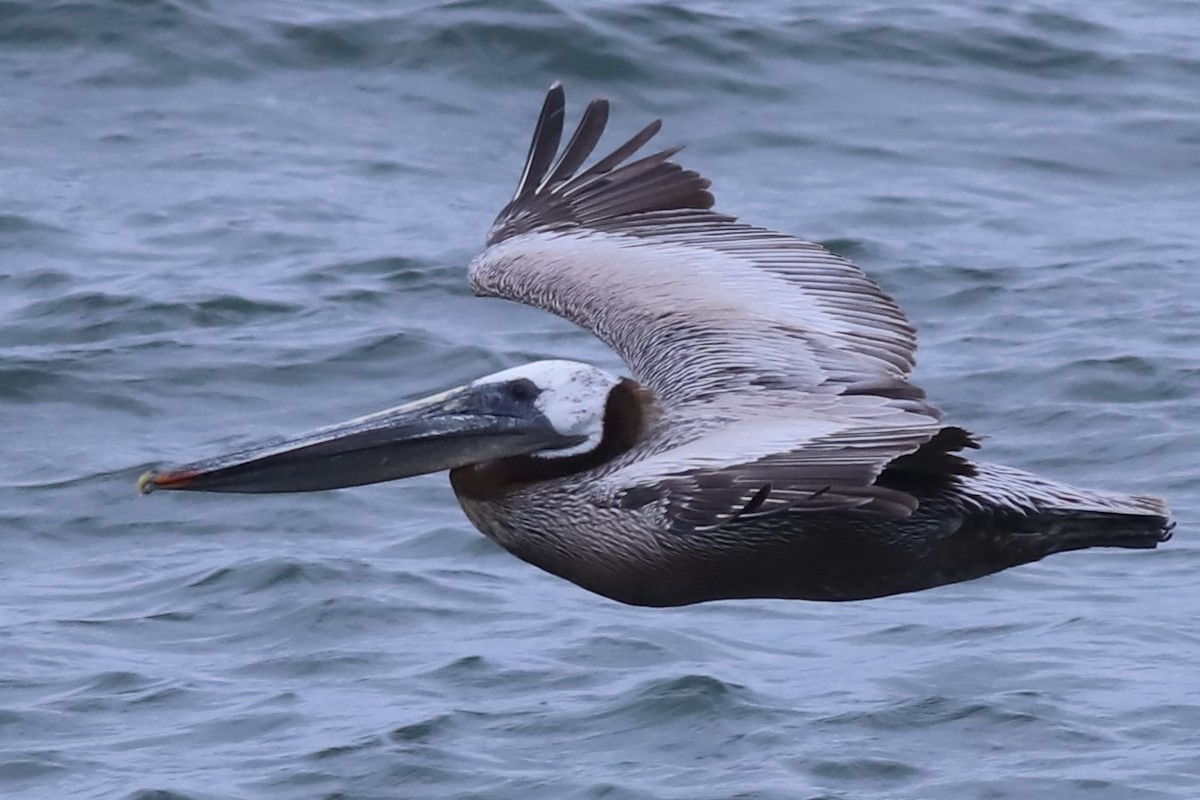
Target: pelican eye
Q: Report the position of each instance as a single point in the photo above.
(523, 390)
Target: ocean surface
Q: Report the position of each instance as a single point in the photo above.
(222, 220)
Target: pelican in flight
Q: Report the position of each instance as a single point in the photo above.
(770, 443)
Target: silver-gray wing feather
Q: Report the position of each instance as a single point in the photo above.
(695, 302)
(716, 317)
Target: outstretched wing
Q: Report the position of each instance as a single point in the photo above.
(697, 304)
(805, 461)
(787, 366)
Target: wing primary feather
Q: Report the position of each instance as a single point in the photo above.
(583, 142)
(635, 169)
(544, 145)
(623, 152)
(551, 195)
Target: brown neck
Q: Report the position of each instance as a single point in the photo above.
(627, 414)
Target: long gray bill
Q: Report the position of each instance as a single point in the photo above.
(467, 425)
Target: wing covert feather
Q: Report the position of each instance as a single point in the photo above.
(770, 464)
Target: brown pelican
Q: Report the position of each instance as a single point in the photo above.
(770, 443)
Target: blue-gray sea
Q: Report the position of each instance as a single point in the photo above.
(222, 220)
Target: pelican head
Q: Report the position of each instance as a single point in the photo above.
(544, 410)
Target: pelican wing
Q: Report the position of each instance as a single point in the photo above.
(816, 458)
(697, 304)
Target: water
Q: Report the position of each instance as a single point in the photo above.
(224, 220)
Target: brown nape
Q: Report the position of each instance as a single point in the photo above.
(628, 412)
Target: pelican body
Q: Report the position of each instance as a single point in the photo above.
(770, 443)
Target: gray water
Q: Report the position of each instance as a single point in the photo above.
(222, 220)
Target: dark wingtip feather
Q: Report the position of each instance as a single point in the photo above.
(635, 143)
(553, 193)
(544, 145)
(933, 464)
(583, 142)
